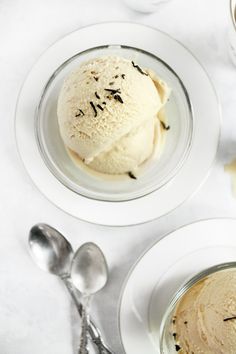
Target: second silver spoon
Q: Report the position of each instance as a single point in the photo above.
(89, 274)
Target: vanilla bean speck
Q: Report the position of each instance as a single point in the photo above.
(131, 175)
(97, 95)
(112, 91)
(229, 318)
(164, 126)
(177, 347)
(94, 109)
(80, 113)
(118, 98)
(139, 69)
(100, 107)
(123, 76)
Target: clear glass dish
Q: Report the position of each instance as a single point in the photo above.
(155, 173)
(167, 342)
(232, 31)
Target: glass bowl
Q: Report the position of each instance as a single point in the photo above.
(232, 31)
(167, 341)
(155, 173)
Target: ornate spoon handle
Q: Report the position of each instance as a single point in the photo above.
(93, 330)
(83, 348)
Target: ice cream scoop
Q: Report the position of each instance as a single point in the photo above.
(107, 113)
(205, 317)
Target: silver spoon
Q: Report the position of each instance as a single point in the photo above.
(53, 253)
(89, 274)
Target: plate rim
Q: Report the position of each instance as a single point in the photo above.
(150, 218)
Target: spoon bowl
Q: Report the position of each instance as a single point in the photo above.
(89, 270)
(50, 249)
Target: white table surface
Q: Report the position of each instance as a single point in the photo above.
(35, 311)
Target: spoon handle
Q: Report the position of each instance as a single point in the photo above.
(83, 347)
(93, 330)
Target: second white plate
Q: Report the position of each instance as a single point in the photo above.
(162, 270)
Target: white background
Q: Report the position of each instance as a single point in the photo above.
(35, 311)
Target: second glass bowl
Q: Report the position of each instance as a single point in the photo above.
(155, 173)
(167, 340)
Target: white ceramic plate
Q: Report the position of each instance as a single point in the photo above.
(204, 144)
(162, 270)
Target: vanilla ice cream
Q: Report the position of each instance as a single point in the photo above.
(205, 318)
(107, 113)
